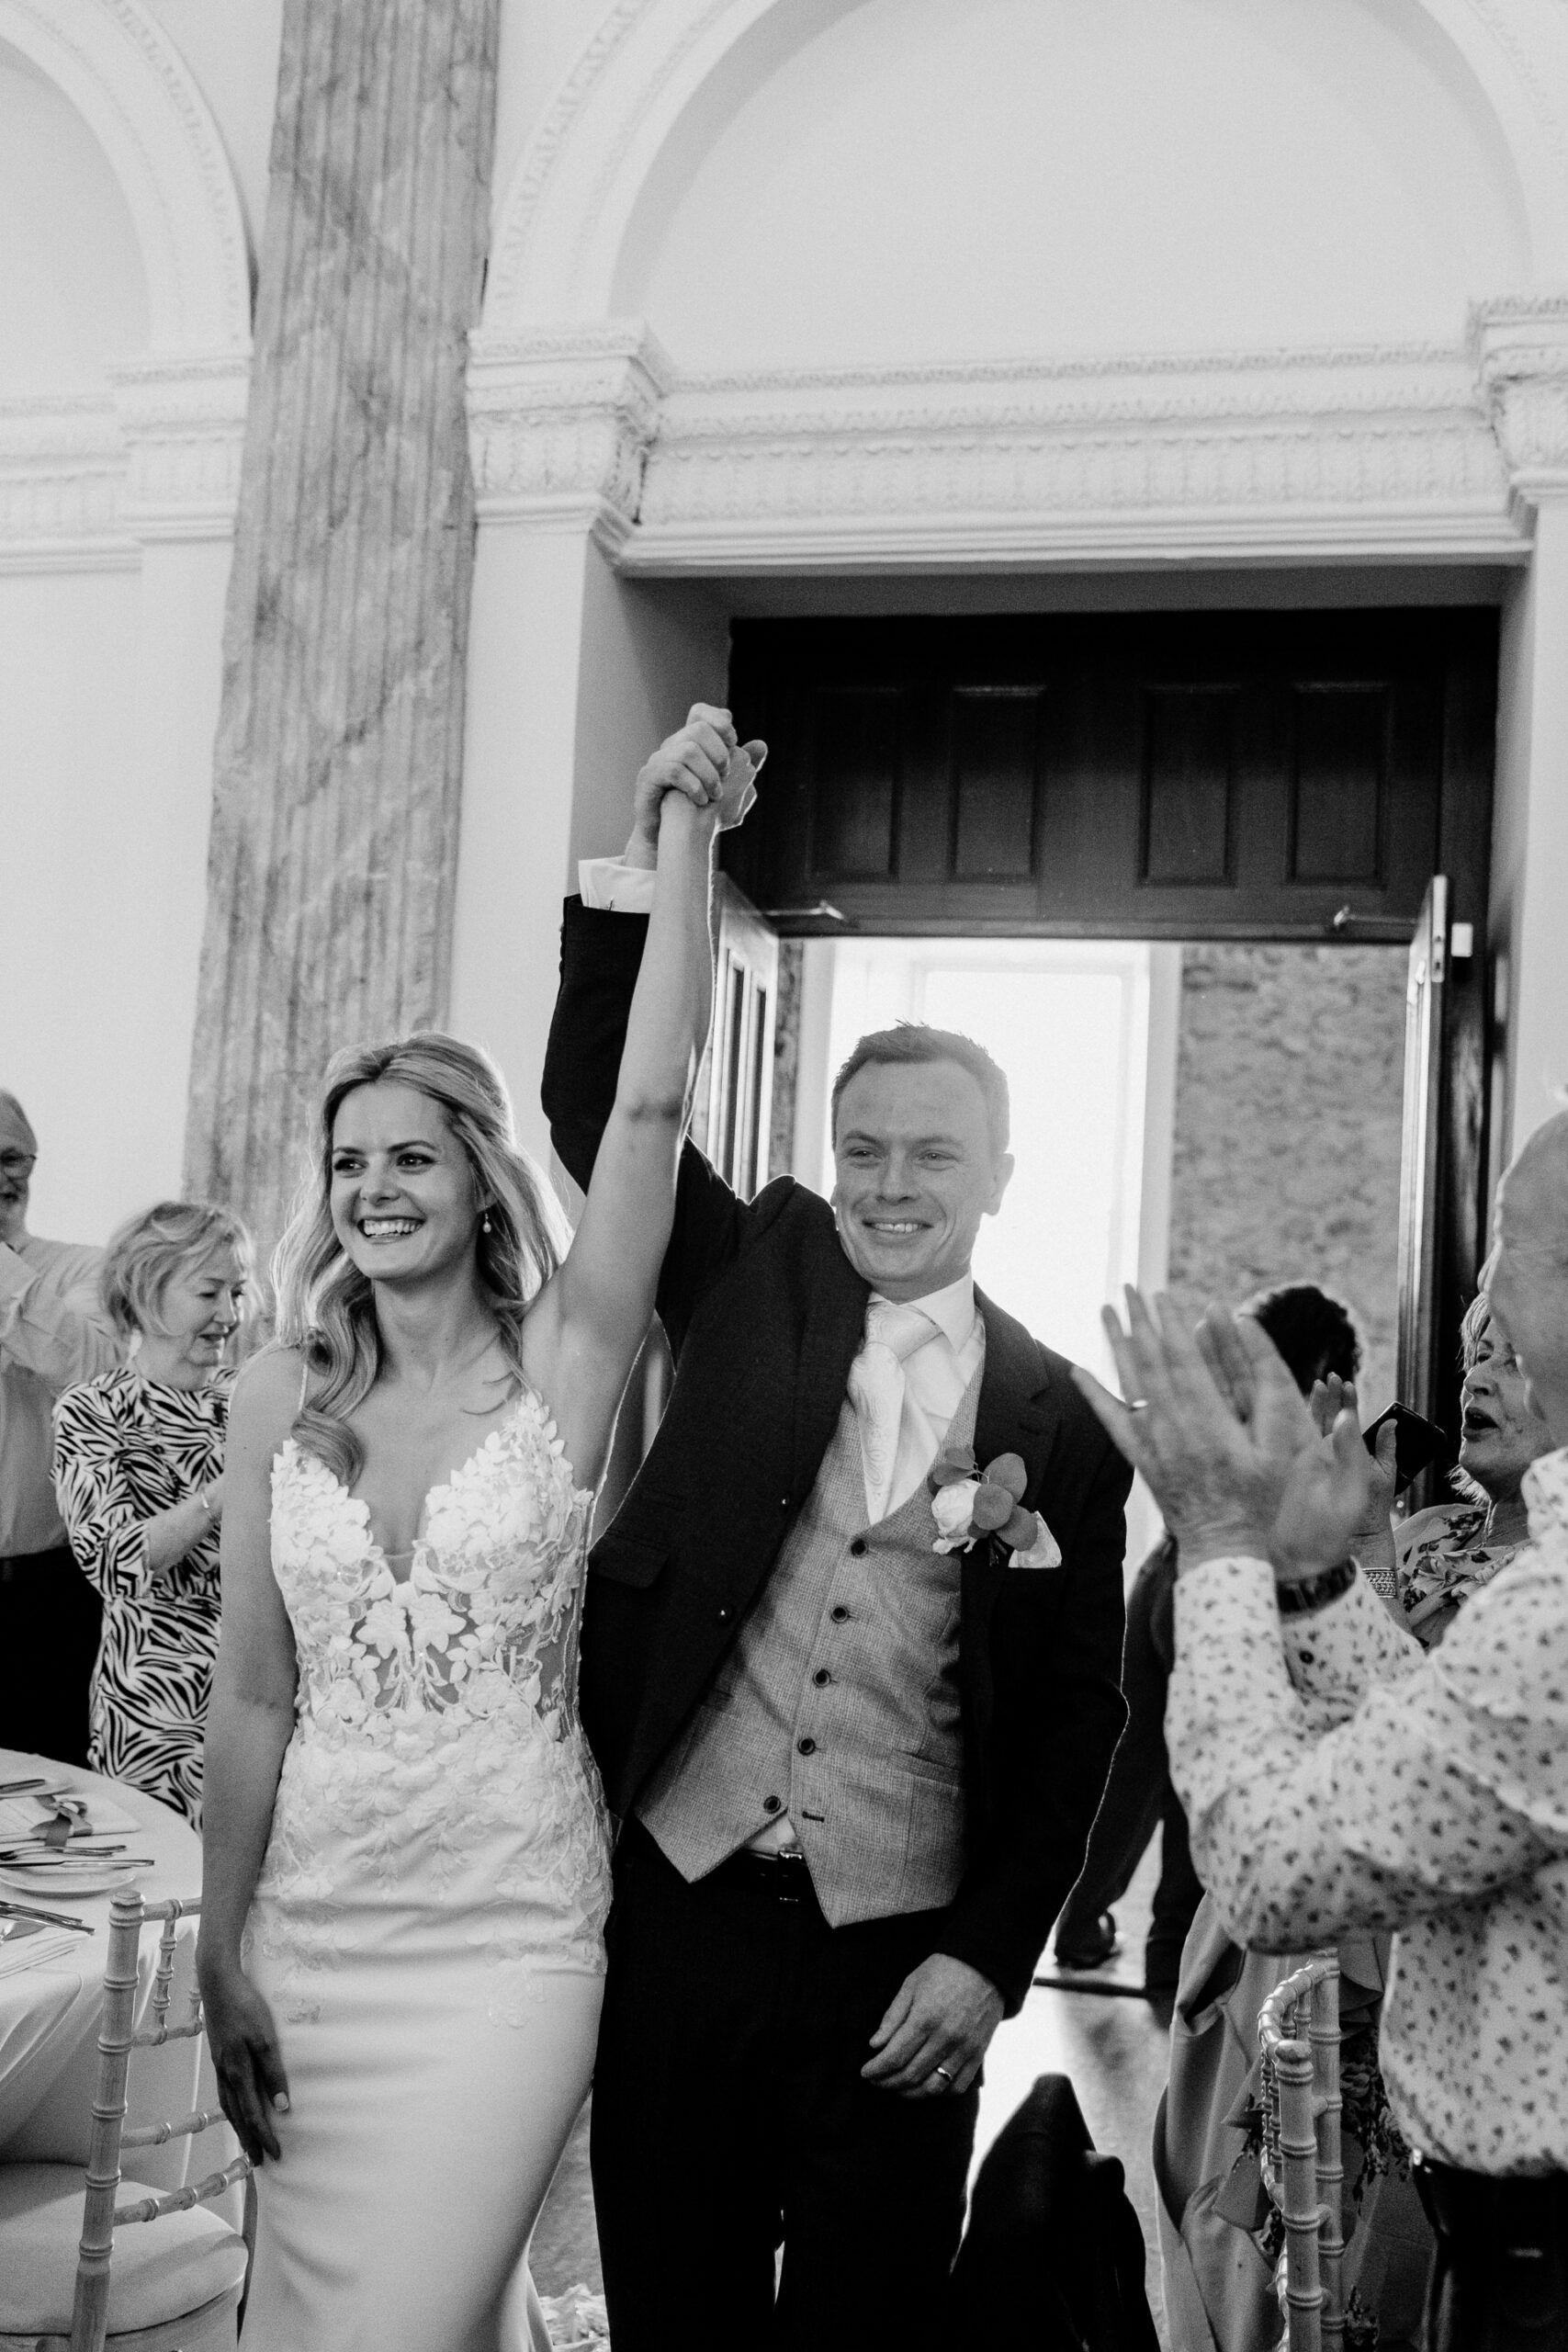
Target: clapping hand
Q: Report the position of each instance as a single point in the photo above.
(704, 762)
(1219, 1429)
(1372, 1541)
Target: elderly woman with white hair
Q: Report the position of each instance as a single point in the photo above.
(139, 1473)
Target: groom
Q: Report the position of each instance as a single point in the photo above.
(855, 1773)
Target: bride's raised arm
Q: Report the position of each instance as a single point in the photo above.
(584, 1330)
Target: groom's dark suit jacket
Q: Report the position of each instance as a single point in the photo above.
(764, 1315)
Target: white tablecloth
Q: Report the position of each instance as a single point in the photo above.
(49, 2014)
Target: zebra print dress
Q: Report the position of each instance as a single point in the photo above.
(125, 1449)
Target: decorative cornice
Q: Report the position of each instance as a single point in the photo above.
(1361, 452)
(559, 426)
(1521, 349)
(89, 478)
(183, 425)
(62, 464)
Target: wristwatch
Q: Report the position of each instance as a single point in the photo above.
(1315, 1592)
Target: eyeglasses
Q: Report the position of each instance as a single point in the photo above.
(17, 1163)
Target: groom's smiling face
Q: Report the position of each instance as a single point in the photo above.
(916, 1171)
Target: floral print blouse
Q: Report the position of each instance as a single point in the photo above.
(1437, 1805)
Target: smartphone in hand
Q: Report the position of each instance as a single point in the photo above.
(1420, 1444)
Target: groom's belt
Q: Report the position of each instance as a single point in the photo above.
(780, 1878)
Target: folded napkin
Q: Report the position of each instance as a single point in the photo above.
(33, 1943)
(26, 1816)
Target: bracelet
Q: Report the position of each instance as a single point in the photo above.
(1315, 1592)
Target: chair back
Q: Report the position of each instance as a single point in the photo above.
(119, 2037)
(1303, 2170)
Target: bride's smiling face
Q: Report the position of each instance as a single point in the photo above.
(404, 1204)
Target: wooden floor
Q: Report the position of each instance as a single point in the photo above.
(1113, 2049)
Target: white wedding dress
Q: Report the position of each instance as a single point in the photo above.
(428, 1922)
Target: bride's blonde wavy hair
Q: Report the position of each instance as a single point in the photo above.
(325, 1305)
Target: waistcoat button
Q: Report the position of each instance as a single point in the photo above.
(771, 1805)
(858, 1546)
(808, 1748)
(838, 1613)
(821, 1676)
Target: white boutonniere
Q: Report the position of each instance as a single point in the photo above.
(969, 1504)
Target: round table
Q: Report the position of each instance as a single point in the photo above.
(49, 2014)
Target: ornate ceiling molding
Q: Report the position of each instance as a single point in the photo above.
(118, 69)
(1375, 454)
(559, 426)
(1521, 347)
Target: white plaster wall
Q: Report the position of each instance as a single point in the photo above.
(88, 1037)
(574, 675)
(1530, 843)
(914, 181)
(108, 692)
(73, 292)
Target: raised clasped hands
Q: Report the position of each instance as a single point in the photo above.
(1227, 1444)
(704, 763)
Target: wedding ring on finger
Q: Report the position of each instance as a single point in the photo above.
(946, 2077)
(1137, 1404)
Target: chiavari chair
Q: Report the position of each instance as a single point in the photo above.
(179, 2296)
(1303, 2169)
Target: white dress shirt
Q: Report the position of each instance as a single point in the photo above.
(1437, 1805)
(53, 1332)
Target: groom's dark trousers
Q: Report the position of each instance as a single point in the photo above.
(729, 2112)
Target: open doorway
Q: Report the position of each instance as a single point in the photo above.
(1210, 1117)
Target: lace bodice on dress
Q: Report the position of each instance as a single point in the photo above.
(438, 1759)
(485, 1624)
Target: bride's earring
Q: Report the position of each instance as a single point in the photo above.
(484, 1222)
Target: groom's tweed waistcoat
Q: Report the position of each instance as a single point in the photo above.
(840, 1702)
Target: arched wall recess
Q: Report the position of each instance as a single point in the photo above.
(159, 458)
(572, 204)
(116, 65)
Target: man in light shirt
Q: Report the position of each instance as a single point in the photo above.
(1438, 1804)
(855, 1746)
(53, 1332)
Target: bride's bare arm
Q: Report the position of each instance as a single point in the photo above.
(584, 1332)
(249, 1726)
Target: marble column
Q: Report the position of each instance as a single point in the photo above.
(334, 815)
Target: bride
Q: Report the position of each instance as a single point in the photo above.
(407, 1864)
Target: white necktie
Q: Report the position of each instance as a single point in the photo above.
(876, 1386)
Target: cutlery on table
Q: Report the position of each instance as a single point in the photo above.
(123, 1861)
(10, 1854)
(55, 1918)
(20, 1788)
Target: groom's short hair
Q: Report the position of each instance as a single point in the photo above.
(916, 1041)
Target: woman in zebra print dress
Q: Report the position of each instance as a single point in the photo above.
(138, 1472)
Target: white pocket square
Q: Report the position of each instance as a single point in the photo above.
(1043, 1552)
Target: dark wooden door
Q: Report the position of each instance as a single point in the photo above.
(1224, 774)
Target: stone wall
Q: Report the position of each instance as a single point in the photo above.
(1289, 1069)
